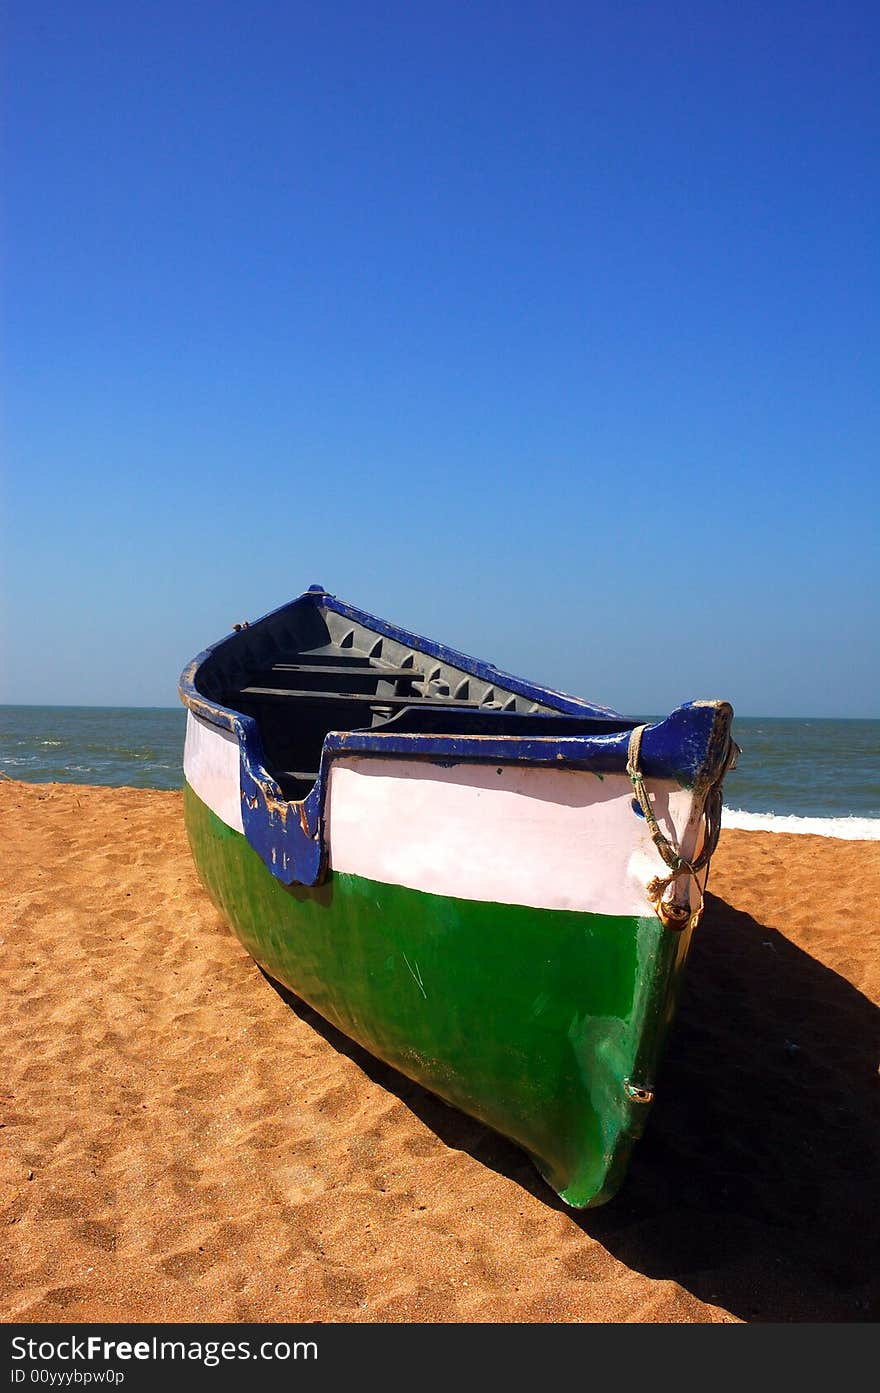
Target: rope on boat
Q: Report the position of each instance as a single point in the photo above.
(672, 915)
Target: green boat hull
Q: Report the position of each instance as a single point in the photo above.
(545, 1024)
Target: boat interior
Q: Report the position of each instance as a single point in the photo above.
(301, 673)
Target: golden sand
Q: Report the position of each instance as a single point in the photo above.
(181, 1141)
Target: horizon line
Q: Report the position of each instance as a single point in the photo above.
(655, 715)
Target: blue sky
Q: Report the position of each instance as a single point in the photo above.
(549, 330)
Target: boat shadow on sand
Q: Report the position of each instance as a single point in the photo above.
(754, 1186)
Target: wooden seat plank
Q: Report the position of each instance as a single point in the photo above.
(361, 698)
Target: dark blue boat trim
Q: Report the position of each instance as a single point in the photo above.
(691, 747)
(678, 748)
(288, 836)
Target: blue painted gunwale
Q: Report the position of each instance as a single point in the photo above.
(690, 746)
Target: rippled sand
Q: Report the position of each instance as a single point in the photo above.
(181, 1140)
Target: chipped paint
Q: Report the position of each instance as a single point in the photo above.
(692, 745)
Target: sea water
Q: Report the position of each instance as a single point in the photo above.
(793, 775)
(141, 747)
(816, 776)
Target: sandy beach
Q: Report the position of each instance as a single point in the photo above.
(180, 1140)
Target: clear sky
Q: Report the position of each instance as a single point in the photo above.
(547, 329)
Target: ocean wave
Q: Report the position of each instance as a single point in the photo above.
(848, 829)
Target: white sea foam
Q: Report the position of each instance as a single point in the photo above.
(848, 829)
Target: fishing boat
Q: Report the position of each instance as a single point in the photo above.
(488, 884)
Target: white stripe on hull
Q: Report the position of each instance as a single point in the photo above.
(212, 767)
(547, 838)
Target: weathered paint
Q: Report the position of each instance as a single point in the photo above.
(548, 837)
(689, 748)
(290, 837)
(287, 835)
(545, 1024)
